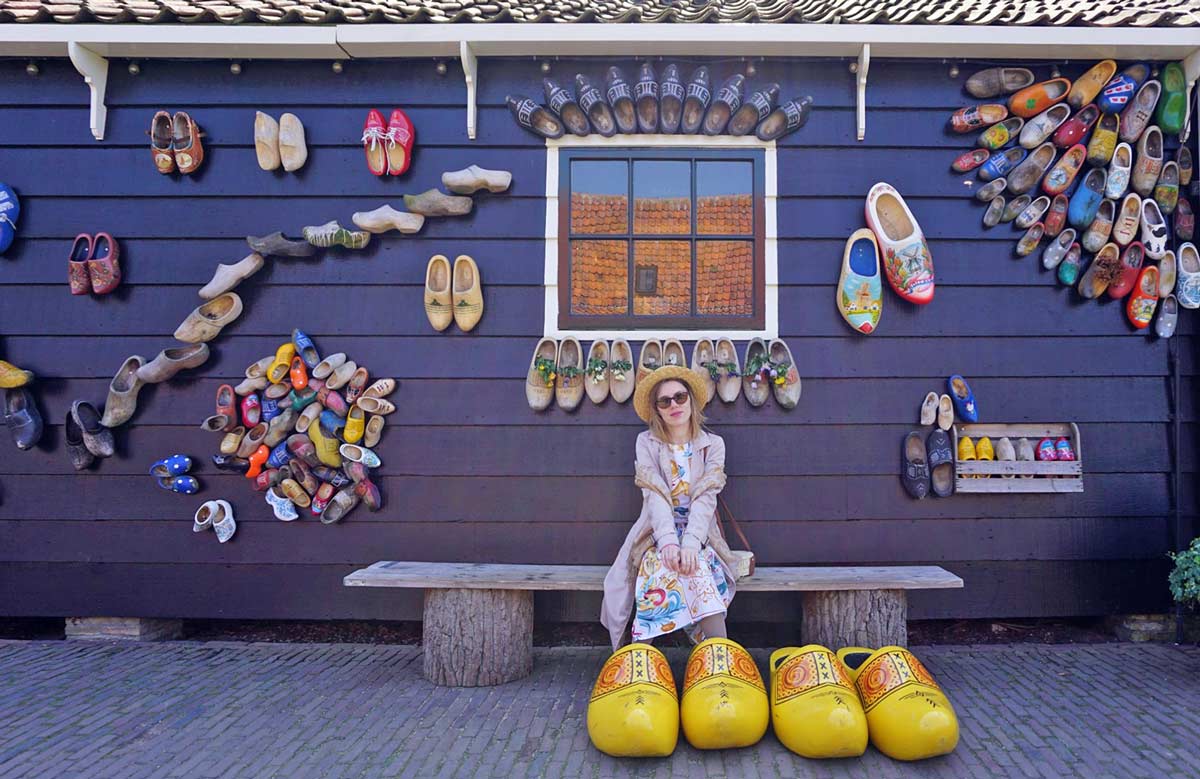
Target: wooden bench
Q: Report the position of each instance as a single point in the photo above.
(478, 620)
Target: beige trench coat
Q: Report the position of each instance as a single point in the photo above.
(655, 526)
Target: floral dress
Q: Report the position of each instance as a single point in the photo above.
(664, 600)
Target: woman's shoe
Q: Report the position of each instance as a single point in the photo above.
(401, 135)
(374, 141)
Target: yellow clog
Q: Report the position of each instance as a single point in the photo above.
(634, 711)
(12, 377)
(724, 702)
(984, 451)
(327, 448)
(909, 716)
(282, 364)
(815, 709)
(356, 425)
(966, 448)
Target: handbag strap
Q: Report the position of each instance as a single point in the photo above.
(734, 522)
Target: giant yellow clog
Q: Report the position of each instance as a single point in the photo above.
(909, 716)
(12, 377)
(814, 707)
(724, 702)
(634, 710)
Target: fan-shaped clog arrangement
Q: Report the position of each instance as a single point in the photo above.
(1090, 154)
(654, 105)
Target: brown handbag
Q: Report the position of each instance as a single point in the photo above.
(743, 559)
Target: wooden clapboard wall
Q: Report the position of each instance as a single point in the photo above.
(469, 472)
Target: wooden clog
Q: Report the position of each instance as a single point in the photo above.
(815, 710)
(1036, 98)
(1063, 174)
(634, 709)
(1141, 304)
(1137, 115)
(1001, 133)
(860, 286)
(970, 118)
(906, 257)
(1171, 113)
(1103, 271)
(994, 82)
(1087, 86)
(1120, 89)
(724, 702)
(619, 96)
(1104, 140)
(561, 101)
(467, 293)
(1131, 263)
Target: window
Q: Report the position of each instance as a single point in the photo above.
(661, 238)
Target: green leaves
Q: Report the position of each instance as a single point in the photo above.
(1185, 577)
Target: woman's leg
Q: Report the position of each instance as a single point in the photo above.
(713, 626)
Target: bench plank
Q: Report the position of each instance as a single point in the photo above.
(496, 576)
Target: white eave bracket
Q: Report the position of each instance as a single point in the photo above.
(470, 67)
(864, 65)
(1191, 72)
(94, 70)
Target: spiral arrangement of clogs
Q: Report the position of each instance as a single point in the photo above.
(303, 429)
(822, 704)
(665, 106)
(1084, 165)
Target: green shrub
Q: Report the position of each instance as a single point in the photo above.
(1185, 577)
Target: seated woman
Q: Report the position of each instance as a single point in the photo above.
(675, 566)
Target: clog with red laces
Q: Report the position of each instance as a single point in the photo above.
(374, 138)
(400, 139)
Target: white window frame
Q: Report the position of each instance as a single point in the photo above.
(550, 328)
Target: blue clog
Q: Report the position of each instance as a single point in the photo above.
(1120, 90)
(280, 456)
(10, 211)
(1085, 203)
(1001, 162)
(269, 409)
(171, 466)
(184, 485)
(963, 397)
(304, 348)
(331, 424)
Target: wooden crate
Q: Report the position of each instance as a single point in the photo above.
(1047, 476)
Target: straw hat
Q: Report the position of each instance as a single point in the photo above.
(643, 400)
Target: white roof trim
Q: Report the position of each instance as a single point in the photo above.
(511, 40)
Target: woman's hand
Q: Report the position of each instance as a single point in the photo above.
(689, 562)
(670, 557)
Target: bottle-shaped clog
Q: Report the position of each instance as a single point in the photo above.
(619, 95)
(593, 105)
(633, 710)
(756, 108)
(671, 94)
(724, 703)
(699, 93)
(815, 709)
(645, 99)
(1087, 86)
(535, 118)
(1141, 304)
(1036, 98)
(909, 716)
(561, 101)
(906, 257)
(1117, 93)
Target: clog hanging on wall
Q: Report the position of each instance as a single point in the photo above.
(906, 257)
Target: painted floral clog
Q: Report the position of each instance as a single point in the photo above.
(963, 397)
(1056, 217)
(1002, 133)
(1154, 230)
(1171, 113)
(1075, 129)
(175, 465)
(906, 257)
(1036, 98)
(1032, 238)
(1085, 203)
(359, 454)
(1141, 304)
(1104, 140)
(1104, 269)
(1187, 285)
(1063, 450)
(1000, 163)
(724, 701)
(815, 710)
(1119, 169)
(251, 410)
(1038, 129)
(1045, 450)
(1166, 191)
(1063, 174)
(283, 509)
(964, 120)
(1132, 260)
(1099, 231)
(994, 82)
(1136, 116)
(1068, 269)
(1121, 88)
(183, 485)
(969, 160)
(1087, 86)
(860, 287)
(633, 710)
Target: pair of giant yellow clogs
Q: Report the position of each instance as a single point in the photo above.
(823, 705)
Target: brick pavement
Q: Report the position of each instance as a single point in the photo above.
(220, 709)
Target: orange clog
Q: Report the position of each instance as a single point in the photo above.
(1143, 301)
(1031, 101)
(298, 373)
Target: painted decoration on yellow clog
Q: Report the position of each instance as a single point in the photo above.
(815, 709)
(910, 718)
(634, 711)
(724, 702)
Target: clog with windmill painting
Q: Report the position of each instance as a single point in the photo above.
(1086, 87)
(1063, 174)
(1036, 98)
(1039, 129)
(860, 287)
(906, 257)
(1187, 283)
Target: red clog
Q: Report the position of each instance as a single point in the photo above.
(1056, 217)
(77, 269)
(969, 160)
(1045, 450)
(103, 264)
(251, 410)
(322, 498)
(227, 405)
(374, 140)
(400, 139)
(1063, 450)
(1127, 277)
(299, 373)
(1143, 301)
(1076, 128)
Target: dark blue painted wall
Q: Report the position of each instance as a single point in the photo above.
(469, 473)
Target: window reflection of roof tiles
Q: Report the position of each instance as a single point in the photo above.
(1041, 13)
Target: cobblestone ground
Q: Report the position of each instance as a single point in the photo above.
(191, 709)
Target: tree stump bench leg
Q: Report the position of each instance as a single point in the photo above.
(870, 618)
(477, 638)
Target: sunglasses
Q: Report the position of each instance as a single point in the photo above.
(680, 398)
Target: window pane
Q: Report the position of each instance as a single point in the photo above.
(662, 197)
(725, 198)
(599, 197)
(599, 277)
(670, 263)
(725, 278)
